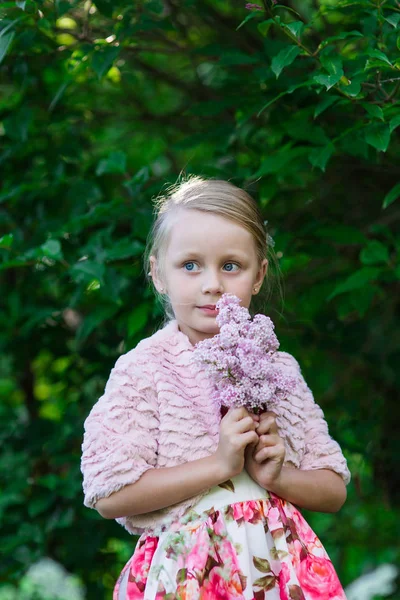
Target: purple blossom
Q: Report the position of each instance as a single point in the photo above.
(240, 359)
(251, 6)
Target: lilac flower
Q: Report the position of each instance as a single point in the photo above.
(250, 6)
(240, 359)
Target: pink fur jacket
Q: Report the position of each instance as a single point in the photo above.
(156, 412)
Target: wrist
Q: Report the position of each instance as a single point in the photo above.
(275, 485)
(219, 469)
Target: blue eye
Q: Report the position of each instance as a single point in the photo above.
(190, 266)
(231, 265)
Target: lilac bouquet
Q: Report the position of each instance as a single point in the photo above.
(241, 359)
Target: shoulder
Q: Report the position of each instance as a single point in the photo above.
(149, 351)
(288, 362)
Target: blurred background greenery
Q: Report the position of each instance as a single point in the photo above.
(102, 105)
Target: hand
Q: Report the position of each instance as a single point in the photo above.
(237, 430)
(264, 462)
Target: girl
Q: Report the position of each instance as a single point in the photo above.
(214, 496)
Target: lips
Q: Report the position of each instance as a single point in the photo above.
(209, 306)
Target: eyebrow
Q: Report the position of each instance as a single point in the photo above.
(227, 256)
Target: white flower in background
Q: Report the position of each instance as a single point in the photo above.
(48, 580)
(380, 582)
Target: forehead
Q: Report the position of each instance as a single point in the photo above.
(206, 233)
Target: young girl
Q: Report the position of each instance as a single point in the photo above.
(213, 495)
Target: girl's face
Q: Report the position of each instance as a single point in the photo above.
(207, 256)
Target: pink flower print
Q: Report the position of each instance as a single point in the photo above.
(318, 579)
(306, 534)
(228, 555)
(188, 590)
(283, 579)
(296, 553)
(141, 559)
(139, 567)
(220, 588)
(219, 525)
(243, 511)
(197, 557)
(274, 518)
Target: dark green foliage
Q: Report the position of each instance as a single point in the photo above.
(104, 103)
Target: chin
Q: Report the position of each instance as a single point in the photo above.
(209, 328)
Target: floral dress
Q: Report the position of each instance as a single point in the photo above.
(238, 542)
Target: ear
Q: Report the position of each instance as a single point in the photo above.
(154, 275)
(260, 276)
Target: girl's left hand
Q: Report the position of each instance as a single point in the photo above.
(264, 462)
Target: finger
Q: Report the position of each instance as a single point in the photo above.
(266, 414)
(255, 418)
(267, 425)
(236, 414)
(249, 438)
(245, 424)
(267, 441)
(268, 454)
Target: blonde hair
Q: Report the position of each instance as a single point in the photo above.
(217, 197)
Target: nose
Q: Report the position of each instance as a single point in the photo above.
(212, 283)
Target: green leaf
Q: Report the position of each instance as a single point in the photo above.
(394, 123)
(103, 58)
(87, 270)
(5, 42)
(354, 88)
(332, 63)
(126, 248)
(356, 280)
(265, 26)
(52, 249)
(288, 91)
(138, 319)
(324, 104)
(274, 162)
(6, 240)
(296, 28)
(114, 163)
(378, 136)
(378, 54)
(262, 564)
(327, 80)
(94, 319)
(59, 94)
(252, 15)
(391, 196)
(319, 156)
(18, 123)
(361, 299)
(340, 36)
(374, 110)
(267, 582)
(284, 59)
(393, 19)
(374, 253)
(40, 504)
(288, 8)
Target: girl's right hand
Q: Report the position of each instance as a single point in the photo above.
(237, 431)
